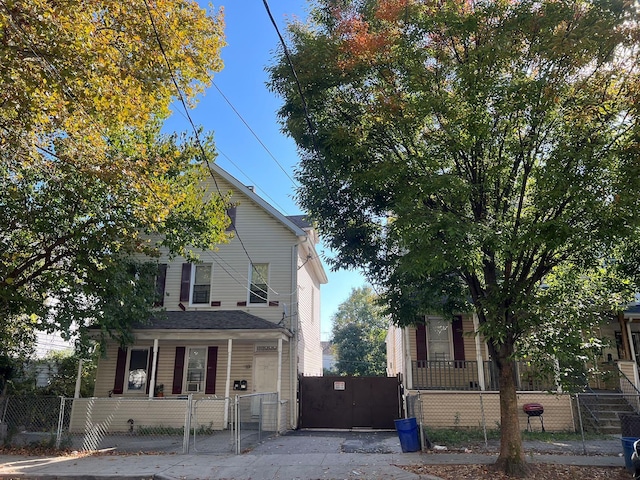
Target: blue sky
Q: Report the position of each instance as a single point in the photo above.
(252, 41)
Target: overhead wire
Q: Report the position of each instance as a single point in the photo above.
(196, 135)
(186, 111)
(239, 115)
(253, 182)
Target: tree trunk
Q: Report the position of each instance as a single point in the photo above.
(511, 459)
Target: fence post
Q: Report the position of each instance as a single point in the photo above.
(584, 445)
(484, 422)
(187, 425)
(60, 422)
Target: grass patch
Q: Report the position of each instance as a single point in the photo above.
(461, 437)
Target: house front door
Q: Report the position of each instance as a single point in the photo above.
(265, 373)
(265, 378)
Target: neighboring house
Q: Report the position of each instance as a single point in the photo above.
(328, 358)
(245, 319)
(446, 362)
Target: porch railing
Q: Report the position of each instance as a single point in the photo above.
(465, 375)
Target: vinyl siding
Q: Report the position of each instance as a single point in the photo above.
(395, 359)
(468, 338)
(242, 355)
(309, 345)
(259, 238)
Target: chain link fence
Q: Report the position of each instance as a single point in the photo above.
(256, 419)
(163, 425)
(472, 419)
(31, 420)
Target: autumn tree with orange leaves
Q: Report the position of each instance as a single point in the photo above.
(461, 151)
(86, 178)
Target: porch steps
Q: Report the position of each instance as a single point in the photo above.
(601, 412)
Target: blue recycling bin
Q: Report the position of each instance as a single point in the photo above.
(627, 450)
(407, 429)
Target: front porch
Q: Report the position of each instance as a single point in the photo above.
(471, 375)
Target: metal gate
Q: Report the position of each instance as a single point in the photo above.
(349, 402)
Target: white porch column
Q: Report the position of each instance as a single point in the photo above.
(479, 360)
(227, 386)
(154, 368)
(632, 348)
(76, 393)
(279, 384)
(406, 349)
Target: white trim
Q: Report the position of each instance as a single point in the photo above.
(154, 368)
(194, 267)
(479, 359)
(127, 370)
(201, 384)
(257, 199)
(266, 293)
(227, 385)
(449, 327)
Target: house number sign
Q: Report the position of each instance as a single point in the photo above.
(338, 385)
(266, 348)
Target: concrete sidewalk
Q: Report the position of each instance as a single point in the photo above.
(317, 455)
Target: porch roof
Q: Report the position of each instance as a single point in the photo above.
(208, 320)
(632, 312)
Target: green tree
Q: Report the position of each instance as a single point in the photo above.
(61, 368)
(359, 331)
(461, 151)
(89, 189)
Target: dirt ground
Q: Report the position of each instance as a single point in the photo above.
(537, 472)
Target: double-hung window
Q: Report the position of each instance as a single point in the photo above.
(201, 284)
(439, 339)
(259, 286)
(196, 369)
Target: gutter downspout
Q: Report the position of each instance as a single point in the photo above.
(279, 386)
(293, 343)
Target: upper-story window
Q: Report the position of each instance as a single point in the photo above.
(161, 280)
(200, 284)
(259, 286)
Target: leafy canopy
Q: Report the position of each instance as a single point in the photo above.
(358, 335)
(89, 189)
(461, 151)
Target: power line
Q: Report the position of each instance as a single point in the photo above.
(186, 111)
(235, 110)
(295, 184)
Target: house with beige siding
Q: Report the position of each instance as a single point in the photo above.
(244, 319)
(447, 364)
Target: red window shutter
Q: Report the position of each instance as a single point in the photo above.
(231, 213)
(121, 365)
(212, 366)
(178, 371)
(421, 344)
(185, 283)
(161, 281)
(458, 339)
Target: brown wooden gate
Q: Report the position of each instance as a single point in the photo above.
(349, 402)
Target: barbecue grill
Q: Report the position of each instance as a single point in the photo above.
(533, 410)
